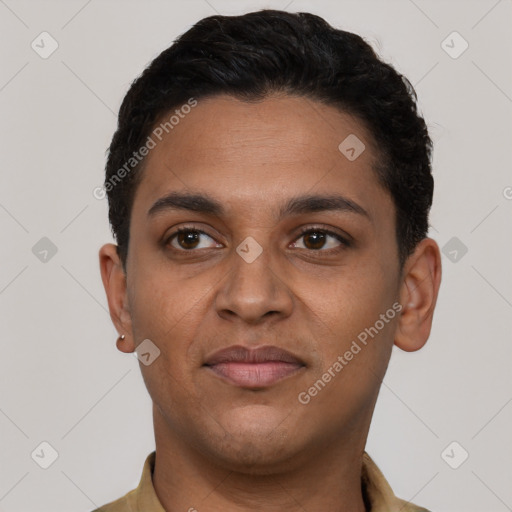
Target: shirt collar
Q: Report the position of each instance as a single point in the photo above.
(376, 490)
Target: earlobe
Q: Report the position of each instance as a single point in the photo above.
(125, 345)
(114, 282)
(418, 296)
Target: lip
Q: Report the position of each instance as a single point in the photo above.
(253, 367)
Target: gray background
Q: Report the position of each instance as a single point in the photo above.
(62, 379)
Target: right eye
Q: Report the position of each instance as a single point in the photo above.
(187, 239)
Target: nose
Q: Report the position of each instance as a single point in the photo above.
(253, 289)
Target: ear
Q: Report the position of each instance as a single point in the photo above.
(114, 282)
(418, 295)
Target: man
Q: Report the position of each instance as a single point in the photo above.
(269, 186)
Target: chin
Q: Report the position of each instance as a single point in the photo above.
(253, 456)
(254, 441)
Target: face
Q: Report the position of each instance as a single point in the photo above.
(291, 246)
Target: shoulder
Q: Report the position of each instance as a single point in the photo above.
(143, 497)
(407, 506)
(123, 504)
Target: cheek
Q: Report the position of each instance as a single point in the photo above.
(355, 356)
(358, 319)
(162, 302)
(353, 299)
(163, 316)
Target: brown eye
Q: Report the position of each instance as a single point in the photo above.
(316, 239)
(188, 239)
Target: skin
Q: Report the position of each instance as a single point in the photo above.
(221, 447)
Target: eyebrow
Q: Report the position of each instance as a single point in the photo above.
(202, 203)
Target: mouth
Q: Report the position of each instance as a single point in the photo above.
(253, 368)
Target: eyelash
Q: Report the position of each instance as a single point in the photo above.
(344, 242)
(304, 231)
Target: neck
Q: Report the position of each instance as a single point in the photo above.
(327, 479)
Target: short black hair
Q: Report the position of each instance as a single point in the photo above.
(259, 53)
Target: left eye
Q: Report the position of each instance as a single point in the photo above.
(317, 239)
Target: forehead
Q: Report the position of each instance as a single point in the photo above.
(247, 154)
